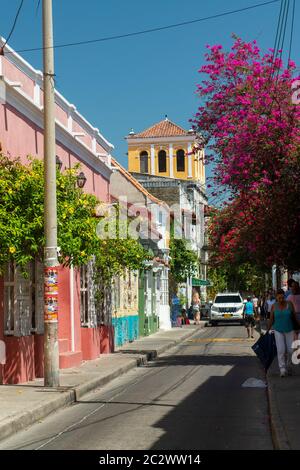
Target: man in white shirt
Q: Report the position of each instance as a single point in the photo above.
(271, 300)
(255, 304)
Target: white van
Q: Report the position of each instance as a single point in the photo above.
(227, 307)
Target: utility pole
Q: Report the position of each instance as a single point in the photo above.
(51, 352)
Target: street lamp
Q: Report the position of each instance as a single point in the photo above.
(81, 180)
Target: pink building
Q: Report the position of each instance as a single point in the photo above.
(82, 336)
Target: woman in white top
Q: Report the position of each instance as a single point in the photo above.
(294, 297)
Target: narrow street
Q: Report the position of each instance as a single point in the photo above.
(191, 398)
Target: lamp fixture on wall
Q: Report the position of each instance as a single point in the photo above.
(81, 180)
(59, 163)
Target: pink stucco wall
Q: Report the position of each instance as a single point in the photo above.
(13, 74)
(87, 139)
(20, 137)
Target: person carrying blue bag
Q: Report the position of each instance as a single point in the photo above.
(265, 349)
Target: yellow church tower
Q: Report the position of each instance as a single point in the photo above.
(166, 149)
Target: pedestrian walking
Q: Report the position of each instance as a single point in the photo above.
(288, 292)
(255, 304)
(270, 302)
(281, 321)
(249, 317)
(294, 297)
(196, 308)
(196, 312)
(263, 306)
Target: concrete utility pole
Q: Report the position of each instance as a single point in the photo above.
(51, 352)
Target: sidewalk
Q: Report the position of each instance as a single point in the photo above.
(284, 404)
(25, 404)
(284, 400)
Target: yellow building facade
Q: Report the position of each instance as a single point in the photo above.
(166, 149)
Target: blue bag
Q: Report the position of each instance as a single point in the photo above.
(265, 349)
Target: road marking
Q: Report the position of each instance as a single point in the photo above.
(218, 340)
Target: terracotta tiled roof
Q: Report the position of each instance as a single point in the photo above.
(136, 183)
(163, 128)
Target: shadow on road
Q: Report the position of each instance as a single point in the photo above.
(219, 414)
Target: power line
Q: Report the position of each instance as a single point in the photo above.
(13, 27)
(285, 25)
(219, 199)
(280, 26)
(292, 31)
(152, 30)
(277, 30)
(37, 7)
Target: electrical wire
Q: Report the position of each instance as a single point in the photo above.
(218, 199)
(38, 7)
(292, 31)
(152, 30)
(12, 28)
(277, 30)
(285, 27)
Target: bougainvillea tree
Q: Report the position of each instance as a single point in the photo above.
(251, 127)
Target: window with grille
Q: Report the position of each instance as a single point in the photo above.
(84, 297)
(116, 298)
(95, 298)
(23, 299)
(9, 299)
(129, 289)
(104, 306)
(87, 295)
(164, 287)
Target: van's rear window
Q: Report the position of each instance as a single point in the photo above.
(228, 299)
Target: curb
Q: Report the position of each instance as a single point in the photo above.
(152, 354)
(279, 437)
(31, 417)
(71, 395)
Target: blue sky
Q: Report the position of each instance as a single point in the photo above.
(134, 82)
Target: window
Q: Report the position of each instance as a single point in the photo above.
(164, 287)
(160, 217)
(104, 305)
(116, 298)
(84, 302)
(228, 299)
(162, 161)
(37, 291)
(9, 299)
(144, 162)
(23, 300)
(129, 291)
(180, 160)
(87, 295)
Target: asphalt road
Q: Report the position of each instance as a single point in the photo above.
(190, 398)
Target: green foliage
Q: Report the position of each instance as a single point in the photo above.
(22, 222)
(244, 278)
(183, 260)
